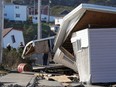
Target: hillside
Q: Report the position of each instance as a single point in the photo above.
(66, 2)
(57, 6)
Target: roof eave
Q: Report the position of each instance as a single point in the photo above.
(73, 14)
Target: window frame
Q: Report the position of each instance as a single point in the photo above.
(17, 7)
(17, 15)
(13, 39)
(79, 46)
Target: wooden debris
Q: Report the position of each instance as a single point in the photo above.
(61, 78)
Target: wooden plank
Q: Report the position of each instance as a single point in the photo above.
(61, 78)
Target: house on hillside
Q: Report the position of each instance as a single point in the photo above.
(56, 26)
(33, 10)
(58, 21)
(12, 36)
(33, 13)
(15, 12)
(44, 18)
(86, 43)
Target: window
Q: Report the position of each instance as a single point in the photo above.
(18, 15)
(5, 14)
(13, 38)
(35, 18)
(78, 44)
(17, 7)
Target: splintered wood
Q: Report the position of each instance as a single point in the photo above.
(61, 78)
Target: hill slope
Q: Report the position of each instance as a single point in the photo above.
(67, 2)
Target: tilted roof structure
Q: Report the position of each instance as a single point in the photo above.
(84, 16)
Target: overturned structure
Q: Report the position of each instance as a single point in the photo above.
(90, 22)
(40, 49)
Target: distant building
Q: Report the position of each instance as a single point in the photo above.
(34, 10)
(54, 28)
(12, 36)
(15, 12)
(44, 18)
(58, 20)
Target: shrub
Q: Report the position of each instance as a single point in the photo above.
(11, 59)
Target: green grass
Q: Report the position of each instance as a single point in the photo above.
(56, 10)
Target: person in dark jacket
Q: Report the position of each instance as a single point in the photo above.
(8, 46)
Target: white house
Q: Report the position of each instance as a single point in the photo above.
(86, 43)
(15, 12)
(95, 54)
(12, 36)
(43, 18)
(54, 28)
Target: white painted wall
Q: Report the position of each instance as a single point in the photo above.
(83, 35)
(18, 37)
(11, 11)
(82, 56)
(43, 18)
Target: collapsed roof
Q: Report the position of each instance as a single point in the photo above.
(84, 16)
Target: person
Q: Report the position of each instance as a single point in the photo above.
(21, 45)
(9, 46)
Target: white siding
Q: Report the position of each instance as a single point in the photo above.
(103, 55)
(18, 37)
(22, 10)
(82, 56)
(43, 18)
(11, 12)
(83, 35)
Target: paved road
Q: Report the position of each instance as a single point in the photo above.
(17, 79)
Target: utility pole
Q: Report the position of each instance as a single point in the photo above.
(39, 20)
(12, 1)
(1, 26)
(34, 8)
(49, 11)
